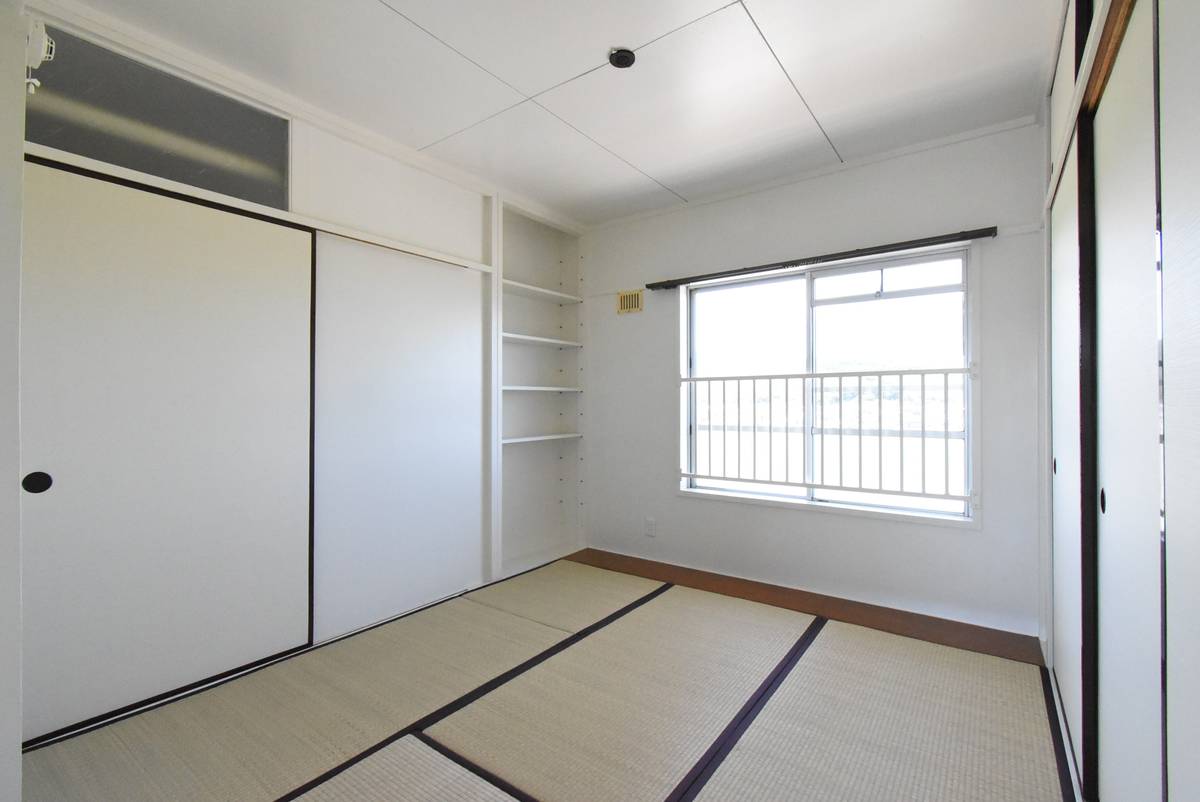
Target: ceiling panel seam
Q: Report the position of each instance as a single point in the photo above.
(446, 44)
(604, 64)
(788, 75)
(533, 98)
(472, 125)
(607, 149)
(687, 25)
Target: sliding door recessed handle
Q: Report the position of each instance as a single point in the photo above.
(1103, 501)
(37, 482)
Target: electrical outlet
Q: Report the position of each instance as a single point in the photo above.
(651, 527)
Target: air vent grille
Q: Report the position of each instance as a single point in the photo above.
(629, 301)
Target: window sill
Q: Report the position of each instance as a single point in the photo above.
(833, 508)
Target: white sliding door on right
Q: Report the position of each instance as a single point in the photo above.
(1179, 92)
(398, 511)
(1128, 454)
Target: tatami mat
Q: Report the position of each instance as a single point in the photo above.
(868, 716)
(406, 771)
(625, 713)
(565, 595)
(269, 732)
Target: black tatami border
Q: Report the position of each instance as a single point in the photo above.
(477, 770)
(471, 696)
(711, 760)
(146, 705)
(1056, 735)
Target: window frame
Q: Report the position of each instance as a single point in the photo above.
(804, 497)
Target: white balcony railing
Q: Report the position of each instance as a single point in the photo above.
(899, 433)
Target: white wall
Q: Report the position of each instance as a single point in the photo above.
(987, 575)
(343, 182)
(12, 133)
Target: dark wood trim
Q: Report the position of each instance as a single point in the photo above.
(166, 193)
(1111, 35)
(1056, 736)
(1023, 648)
(1089, 490)
(1081, 26)
(312, 440)
(141, 706)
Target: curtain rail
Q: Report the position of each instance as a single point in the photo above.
(874, 250)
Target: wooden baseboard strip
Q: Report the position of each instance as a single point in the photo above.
(1010, 645)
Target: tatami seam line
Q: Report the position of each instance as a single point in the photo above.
(471, 696)
(480, 772)
(710, 761)
(518, 615)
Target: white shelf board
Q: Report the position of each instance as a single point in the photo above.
(550, 342)
(540, 438)
(542, 294)
(533, 388)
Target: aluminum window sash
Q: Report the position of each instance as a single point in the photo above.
(883, 296)
(834, 488)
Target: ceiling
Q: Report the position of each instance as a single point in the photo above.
(723, 97)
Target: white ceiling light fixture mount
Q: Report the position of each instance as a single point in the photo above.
(39, 48)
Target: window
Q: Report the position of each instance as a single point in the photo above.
(846, 385)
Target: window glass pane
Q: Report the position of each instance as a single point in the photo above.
(837, 436)
(843, 285)
(924, 331)
(750, 329)
(111, 108)
(924, 274)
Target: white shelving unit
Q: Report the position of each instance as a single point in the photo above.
(540, 293)
(550, 342)
(541, 438)
(541, 398)
(539, 388)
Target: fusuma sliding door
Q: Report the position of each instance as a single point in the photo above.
(399, 432)
(1064, 311)
(165, 404)
(1128, 457)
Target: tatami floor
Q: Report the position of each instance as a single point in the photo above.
(576, 683)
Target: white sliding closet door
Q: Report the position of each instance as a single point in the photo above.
(1179, 64)
(399, 432)
(1128, 455)
(1064, 310)
(165, 374)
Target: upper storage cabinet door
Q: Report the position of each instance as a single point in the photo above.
(165, 389)
(105, 106)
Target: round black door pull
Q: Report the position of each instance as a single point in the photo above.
(37, 482)
(1103, 501)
